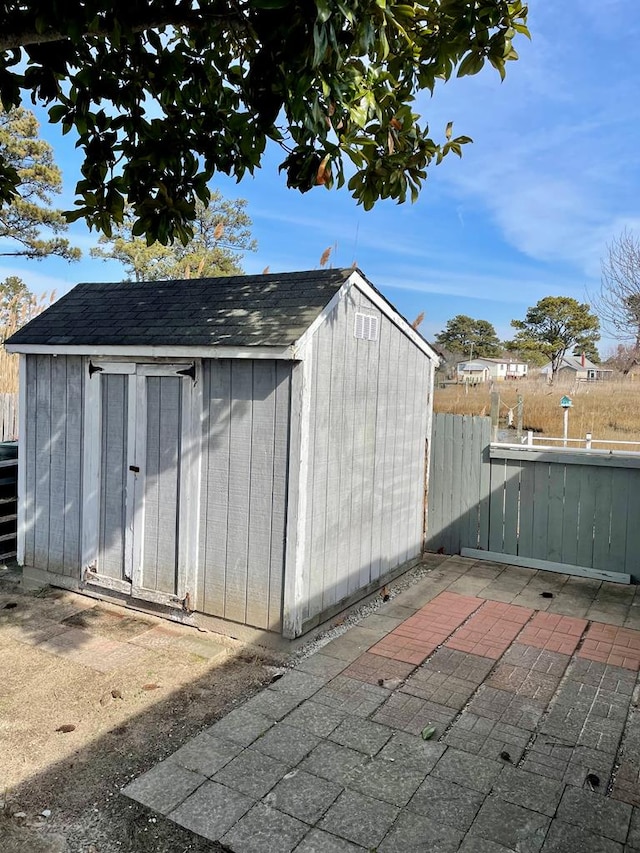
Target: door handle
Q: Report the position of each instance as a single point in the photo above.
(134, 468)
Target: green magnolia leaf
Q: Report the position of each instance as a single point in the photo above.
(428, 732)
(165, 96)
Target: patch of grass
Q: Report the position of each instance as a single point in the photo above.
(608, 410)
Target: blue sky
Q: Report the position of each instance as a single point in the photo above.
(551, 178)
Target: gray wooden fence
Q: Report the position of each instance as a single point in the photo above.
(560, 507)
(8, 417)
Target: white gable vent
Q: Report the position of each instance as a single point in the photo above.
(366, 327)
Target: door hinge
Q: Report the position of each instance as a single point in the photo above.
(94, 368)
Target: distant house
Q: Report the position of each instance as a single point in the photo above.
(578, 368)
(485, 369)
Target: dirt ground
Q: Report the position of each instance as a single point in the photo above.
(59, 789)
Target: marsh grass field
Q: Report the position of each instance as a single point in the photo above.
(609, 410)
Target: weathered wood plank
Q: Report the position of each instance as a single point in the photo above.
(484, 425)
(215, 527)
(73, 466)
(540, 507)
(320, 401)
(43, 461)
(632, 539)
(30, 456)
(112, 475)
(547, 566)
(282, 411)
(587, 515)
(571, 514)
(261, 498)
(380, 470)
(555, 518)
(57, 474)
(622, 483)
(511, 506)
(496, 506)
(602, 518)
(335, 473)
(239, 490)
(527, 491)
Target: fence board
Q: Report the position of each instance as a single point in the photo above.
(551, 507)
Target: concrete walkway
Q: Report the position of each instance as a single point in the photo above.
(486, 709)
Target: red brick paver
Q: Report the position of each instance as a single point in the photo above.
(553, 632)
(421, 634)
(613, 645)
(491, 630)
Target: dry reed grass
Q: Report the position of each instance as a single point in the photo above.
(608, 410)
(16, 314)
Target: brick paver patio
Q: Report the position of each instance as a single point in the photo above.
(537, 729)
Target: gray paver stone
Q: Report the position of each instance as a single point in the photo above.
(241, 726)
(446, 802)
(411, 714)
(514, 826)
(473, 772)
(487, 738)
(164, 786)
(529, 790)
(567, 838)
(286, 743)
(333, 762)
(352, 696)
(319, 664)
(318, 841)
(303, 796)
(314, 718)
(595, 813)
(475, 844)
(420, 835)
(363, 735)
(360, 819)
(412, 752)
(386, 780)
(211, 810)
(265, 830)
(206, 754)
(634, 829)
(273, 704)
(252, 773)
(301, 685)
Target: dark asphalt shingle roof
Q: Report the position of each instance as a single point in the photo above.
(257, 310)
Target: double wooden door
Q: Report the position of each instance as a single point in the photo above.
(140, 454)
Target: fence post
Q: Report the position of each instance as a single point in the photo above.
(588, 441)
(495, 412)
(530, 437)
(519, 413)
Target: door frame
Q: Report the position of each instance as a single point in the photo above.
(190, 477)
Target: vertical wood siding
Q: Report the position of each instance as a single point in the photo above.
(369, 410)
(243, 506)
(113, 475)
(53, 454)
(563, 509)
(161, 484)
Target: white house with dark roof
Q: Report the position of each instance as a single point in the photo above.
(249, 449)
(486, 369)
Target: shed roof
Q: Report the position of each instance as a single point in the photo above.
(257, 310)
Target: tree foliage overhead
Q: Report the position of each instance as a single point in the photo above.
(470, 337)
(23, 219)
(161, 95)
(618, 300)
(555, 325)
(221, 235)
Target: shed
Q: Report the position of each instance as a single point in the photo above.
(251, 449)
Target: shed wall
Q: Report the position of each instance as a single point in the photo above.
(244, 487)
(53, 463)
(370, 404)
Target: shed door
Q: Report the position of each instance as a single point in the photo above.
(146, 483)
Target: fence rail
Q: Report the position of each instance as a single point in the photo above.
(588, 442)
